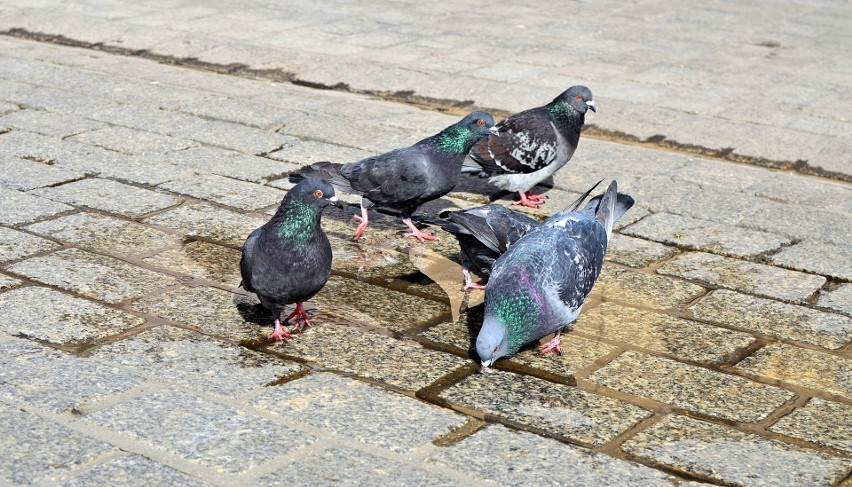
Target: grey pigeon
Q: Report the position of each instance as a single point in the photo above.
(288, 259)
(403, 179)
(539, 285)
(532, 145)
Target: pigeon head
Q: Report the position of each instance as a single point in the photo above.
(491, 343)
(511, 315)
(313, 192)
(299, 215)
(460, 137)
(577, 97)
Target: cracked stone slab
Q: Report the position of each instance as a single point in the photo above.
(226, 191)
(769, 317)
(825, 423)
(690, 387)
(23, 174)
(723, 454)
(802, 367)
(21, 207)
(131, 469)
(521, 458)
(131, 141)
(200, 431)
(747, 277)
(7, 282)
(817, 257)
(92, 275)
(34, 449)
(636, 252)
(707, 236)
(228, 163)
(345, 407)
(109, 196)
(838, 299)
(559, 409)
(303, 152)
(643, 289)
(15, 244)
(683, 339)
(201, 259)
(56, 317)
(57, 125)
(204, 220)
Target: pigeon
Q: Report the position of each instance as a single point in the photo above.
(532, 145)
(288, 259)
(538, 286)
(403, 179)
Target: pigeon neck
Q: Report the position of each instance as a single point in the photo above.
(566, 118)
(518, 312)
(454, 140)
(297, 220)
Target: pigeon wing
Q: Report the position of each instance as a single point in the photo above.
(247, 259)
(524, 143)
(397, 176)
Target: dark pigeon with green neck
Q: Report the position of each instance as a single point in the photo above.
(288, 260)
(404, 179)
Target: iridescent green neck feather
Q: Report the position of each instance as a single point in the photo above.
(455, 139)
(564, 115)
(519, 313)
(297, 220)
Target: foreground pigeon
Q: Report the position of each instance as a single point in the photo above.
(539, 285)
(288, 260)
(532, 145)
(404, 179)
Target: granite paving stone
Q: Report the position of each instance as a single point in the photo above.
(92, 275)
(34, 449)
(226, 191)
(802, 367)
(696, 234)
(7, 282)
(559, 409)
(817, 257)
(56, 317)
(683, 339)
(689, 387)
(349, 408)
(23, 174)
(21, 207)
(723, 454)
(15, 244)
(131, 470)
(130, 141)
(206, 433)
(229, 163)
(204, 220)
(826, 423)
(747, 277)
(52, 124)
(521, 458)
(303, 152)
(838, 299)
(109, 196)
(635, 252)
(769, 317)
(643, 289)
(201, 259)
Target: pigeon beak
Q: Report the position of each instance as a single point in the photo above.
(487, 363)
(336, 202)
(591, 105)
(494, 130)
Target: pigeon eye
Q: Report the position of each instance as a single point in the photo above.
(580, 97)
(480, 122)
(318, 193)
(495, 349)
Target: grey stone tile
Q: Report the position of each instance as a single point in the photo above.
(796, 190)
(695, 234)
(201, 259)
(203, 220)
(689, 387)
(723, 454)
(635, 252)
(770, 317)
(52, 124)
(15, 244)
(746, 277)
(684, 339)
(839, 299)
(643, 289)
(131, 470)
(183, 357)
(226, 191)
(348, 408)
(228, 163)
(817, 257)
(22, 174)
(7, 282)
(56, 317)
(130, 141)
(303, 152)
(557, 408)
(200, 431)
(507, 457)
(109, 196)
(802, 367)
(92, 275)
(825, 423)
(34, 448)
(21, 207)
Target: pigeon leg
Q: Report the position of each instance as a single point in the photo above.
(551, 346)
(361, 226)
(300, 314)
(468, 282)
(279, 333)
(530, 200)
(417, 233)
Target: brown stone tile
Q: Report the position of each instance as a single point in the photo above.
(643, 289)
(802, 367)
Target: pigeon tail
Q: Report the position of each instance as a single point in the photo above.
(605, 213)
(329, 171)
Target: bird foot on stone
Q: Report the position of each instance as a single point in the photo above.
(468, 282)
(531, 200)
(300, 315)
(279, 333)
(361, 227)
(551, 346)
(417, 233)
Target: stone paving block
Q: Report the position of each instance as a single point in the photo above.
(643, 289)
(33, 448)
(723, 454)
(200, 431)
(130, 141)
(747, 277)
(106, 234)
(131, 470)
(839, 299)
(7, 282)
(52, 124)
(689, 387)
(770, 317)
(23, 174)
(802, 367)
(820, 258)
(56, 317)
(15, 244)
(304, 152)
(201, 259)
(235, 110)
(635, 252)
(229, 163)
(109, 196)
(187, 358)
(92, 275)
(795, 189)
(203, 220)
(826, 423)
(695, 234)
(556, 408)
(684, 339)
(21, 207)
(56, 381)
(226, 191)
(520, 458)
(348, 408)
(6, 107)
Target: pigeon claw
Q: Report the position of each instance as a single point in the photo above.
(361, 226)
(300, 315)
(468, 282)
(551, 346)
(531, 200)
(279, 333)
(417, 233)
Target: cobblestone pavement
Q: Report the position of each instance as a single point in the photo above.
(716, 347)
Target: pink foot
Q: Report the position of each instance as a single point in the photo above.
(551, 346)
(531, 200)
(361, 226)
(417, 233)
(279, 333)
(300, 314)
(468, 282)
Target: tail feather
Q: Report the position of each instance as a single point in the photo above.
(605, 213)
(329, 171)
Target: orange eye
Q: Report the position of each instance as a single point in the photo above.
(580, 97)
(480, 122)
(318, 193)
(495, 349)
